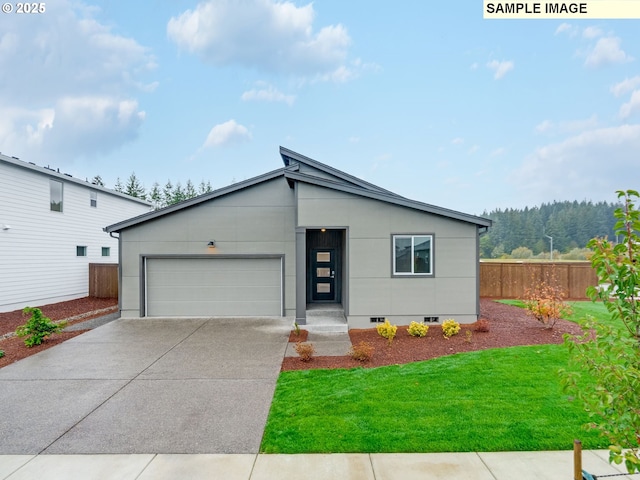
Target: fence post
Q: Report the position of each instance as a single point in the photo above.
(577, 460)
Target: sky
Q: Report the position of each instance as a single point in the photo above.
(425, 99)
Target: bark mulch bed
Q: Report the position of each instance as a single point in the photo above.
(73, 311)
(508, 327)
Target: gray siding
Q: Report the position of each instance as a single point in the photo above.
(451, 293)
(256, 220)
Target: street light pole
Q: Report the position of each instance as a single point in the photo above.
(551, 252)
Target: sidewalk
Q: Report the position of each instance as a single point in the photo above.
(556, 465)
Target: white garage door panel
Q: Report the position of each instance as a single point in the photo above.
(213, 286)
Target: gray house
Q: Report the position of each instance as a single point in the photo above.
(303, 237)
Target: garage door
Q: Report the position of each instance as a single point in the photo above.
(213, 287)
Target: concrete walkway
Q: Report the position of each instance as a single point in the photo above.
(430, 466)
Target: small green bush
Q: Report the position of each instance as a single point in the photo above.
(450, 328)
(362, 352)
(1, 353)
(38, 327)
(417, 329)
(386, 330)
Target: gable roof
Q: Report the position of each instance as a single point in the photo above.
(49, 172)
(338, 180)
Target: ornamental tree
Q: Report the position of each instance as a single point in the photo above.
(610, 351)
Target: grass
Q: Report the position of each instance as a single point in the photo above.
(493, 400)
(580, 310)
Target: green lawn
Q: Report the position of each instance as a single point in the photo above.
(580, 310)
(492, 400)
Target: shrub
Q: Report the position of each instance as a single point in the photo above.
(545, 301)
(38, 327)
(305, 350)
(387, 330)
(450, 328)
(482, 325)
(417, 329)
(1, 353)
(362, 352)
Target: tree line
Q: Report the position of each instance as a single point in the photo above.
(525, 233)
(516, 233)
(161, 197)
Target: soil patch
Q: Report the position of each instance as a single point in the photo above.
(295, 337)
(74, 311)
(509, 326)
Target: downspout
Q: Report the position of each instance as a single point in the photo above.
(481, 231)
(119, 270)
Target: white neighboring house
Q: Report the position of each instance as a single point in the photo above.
(51, 228)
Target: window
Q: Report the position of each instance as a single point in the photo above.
(81, 251)
(412, 255)
(106, 251)
(93, 198)
(55, 195)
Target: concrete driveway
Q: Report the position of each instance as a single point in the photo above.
(146, 386)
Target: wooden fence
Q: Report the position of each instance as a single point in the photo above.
(512, 279)
(103, 280)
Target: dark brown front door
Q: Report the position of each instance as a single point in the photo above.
(323, 275)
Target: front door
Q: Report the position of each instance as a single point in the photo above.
(323, 275)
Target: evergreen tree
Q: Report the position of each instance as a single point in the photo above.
(189, 190)
(178, 194)
(97, 180)
(155, 195)
(167, 193)
(134, 188)
(118, 186)
(204, 187)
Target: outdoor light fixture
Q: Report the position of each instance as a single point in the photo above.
(211, 244)
(323, 230)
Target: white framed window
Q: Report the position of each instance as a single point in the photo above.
(93, 198)
(81, 251)
(55, 195)
(412, 255)
(106, 251)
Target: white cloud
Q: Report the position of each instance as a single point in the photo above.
(544, 126)
(591, 32)
(76, 126)
(268, 94)
(607, 51)
(69, 84)
(569, 126)
(592, 164)
(473, 149)
(457, 141)
(227, 133)
(498, 152)
(626, 86)
(264, 34)
(566, 28)
(632, 106)
(500, 68)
